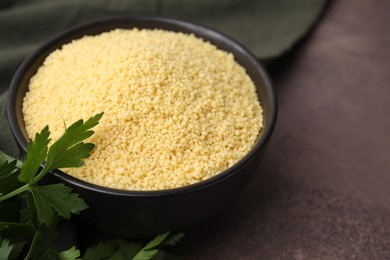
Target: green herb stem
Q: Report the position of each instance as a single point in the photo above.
(15, 192)
(40, 175)
(25, 187)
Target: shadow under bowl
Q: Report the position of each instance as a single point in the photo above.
(147, 213)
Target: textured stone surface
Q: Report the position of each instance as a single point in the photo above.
(322, 191)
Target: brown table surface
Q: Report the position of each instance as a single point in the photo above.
(323, 188)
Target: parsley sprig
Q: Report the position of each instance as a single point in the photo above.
(68, 151)
(29, 212)
(122, 249)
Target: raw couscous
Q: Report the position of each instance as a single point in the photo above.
(177, 110)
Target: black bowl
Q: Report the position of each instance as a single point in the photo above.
(147, 213)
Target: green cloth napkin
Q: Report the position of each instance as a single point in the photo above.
(267, 27)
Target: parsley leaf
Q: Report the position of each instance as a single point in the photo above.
(5, 157)
(122, 249)
(42, 241)
(148, 251)
(173, 239)
(7, 169)
(43, 209)
(5, 248)
(16, 250)
(8, 179)
(67, 151)
(57, 197)
(126, 250)
(16, 231)
(145, 254)
(36, 153)
(30, 213)
(100, 251)
(156, 241)
(110, 250)
(72, 157)
(71, 254)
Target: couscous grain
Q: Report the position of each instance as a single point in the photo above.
(177, 110)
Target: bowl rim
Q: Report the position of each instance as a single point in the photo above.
(180, 24)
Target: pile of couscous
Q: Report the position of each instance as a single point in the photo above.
(177, 110)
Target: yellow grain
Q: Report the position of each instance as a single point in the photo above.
(177, 109)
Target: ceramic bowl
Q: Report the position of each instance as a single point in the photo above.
(147, 213)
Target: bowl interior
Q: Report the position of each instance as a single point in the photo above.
(28, 68)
